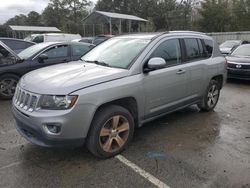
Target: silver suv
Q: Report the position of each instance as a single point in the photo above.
(118, 86)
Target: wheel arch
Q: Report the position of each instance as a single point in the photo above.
(219, 79)
(129, 103)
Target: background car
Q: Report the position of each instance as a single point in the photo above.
(16, 45)
(228, 46)
(84, 39)
(13, 66)
(239, 63)
(52, 37)
(100, 39)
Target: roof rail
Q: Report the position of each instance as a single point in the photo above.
(183, 31)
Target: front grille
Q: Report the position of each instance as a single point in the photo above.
(25, 99)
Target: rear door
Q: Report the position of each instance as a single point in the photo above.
(56, 54)
(196, 59)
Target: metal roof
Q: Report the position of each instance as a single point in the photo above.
(115, 16)
(33, 28)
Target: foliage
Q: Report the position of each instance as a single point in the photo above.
(210, 16)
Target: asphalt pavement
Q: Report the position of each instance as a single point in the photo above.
(185, 149)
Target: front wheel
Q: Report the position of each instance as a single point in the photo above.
(211, 97)
(8, 84)
(110, 132)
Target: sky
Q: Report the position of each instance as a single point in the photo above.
(10, 8)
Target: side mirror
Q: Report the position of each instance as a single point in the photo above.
(42, 57)
(155, 63)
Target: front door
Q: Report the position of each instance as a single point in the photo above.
(165, 89)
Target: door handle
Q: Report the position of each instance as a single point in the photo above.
(181, 71)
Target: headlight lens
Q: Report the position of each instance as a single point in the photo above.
(57, 102)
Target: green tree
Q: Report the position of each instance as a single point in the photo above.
(215, 16)
(66, 14)
(33, 19)
(17, 20)
(240, 15)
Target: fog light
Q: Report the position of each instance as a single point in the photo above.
(53, 128)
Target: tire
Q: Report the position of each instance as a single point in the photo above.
(109, 126)
(8, 84)
(211, 97)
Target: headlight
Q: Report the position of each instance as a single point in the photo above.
(57, 102)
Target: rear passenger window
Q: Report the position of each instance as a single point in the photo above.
(170, 51)
(209, 47)
(192, 49)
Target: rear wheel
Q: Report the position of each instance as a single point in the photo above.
(111, 131)
(211, 97)
(8, 84)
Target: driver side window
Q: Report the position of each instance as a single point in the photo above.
(170, 51)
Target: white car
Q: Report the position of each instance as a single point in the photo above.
(53, 37)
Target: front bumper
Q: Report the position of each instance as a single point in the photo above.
(243, 74)
(74, 126)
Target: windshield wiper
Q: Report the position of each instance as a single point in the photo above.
(98, 63)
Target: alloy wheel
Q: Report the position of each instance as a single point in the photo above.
(213, 95)
(114, 134)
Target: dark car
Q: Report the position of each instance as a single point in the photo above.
(100, 39)
(13, 66)
(238, 63)
(87, 40)
(16, 45)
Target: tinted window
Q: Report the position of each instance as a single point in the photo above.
(79, 50)
(170, 51)
(192, 49)
(57, 52)
(38, 39)
(209, 47)
(99, 40)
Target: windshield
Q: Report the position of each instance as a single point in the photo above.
(29, 52)
(230, 44)
(117, 52)
(243, 50)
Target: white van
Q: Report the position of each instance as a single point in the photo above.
(52, 37)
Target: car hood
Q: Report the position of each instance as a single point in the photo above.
(237, 59)
(68, 77)
(225, 50)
